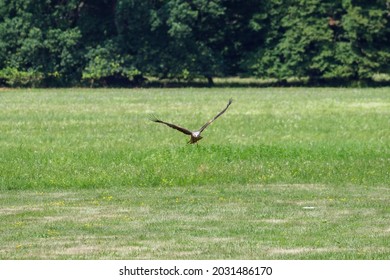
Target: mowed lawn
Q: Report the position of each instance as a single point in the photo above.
(285, 173)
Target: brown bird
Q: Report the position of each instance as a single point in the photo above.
(195, 135)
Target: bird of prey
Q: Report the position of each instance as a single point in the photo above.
(195, 135)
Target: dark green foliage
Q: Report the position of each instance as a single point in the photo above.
(324, 40)
(15, 78)
(41, 37)
(60, 43)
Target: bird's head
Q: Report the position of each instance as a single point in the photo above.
(196, 134)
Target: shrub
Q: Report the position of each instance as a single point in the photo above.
(15, 78)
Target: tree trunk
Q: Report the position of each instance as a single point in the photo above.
(210, 81)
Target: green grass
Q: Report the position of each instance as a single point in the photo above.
(285, 173)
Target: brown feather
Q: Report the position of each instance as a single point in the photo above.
(195, 135)
(213, 119)
(179, 128)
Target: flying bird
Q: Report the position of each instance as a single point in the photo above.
(195, 135)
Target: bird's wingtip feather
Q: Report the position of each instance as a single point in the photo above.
(153, 118)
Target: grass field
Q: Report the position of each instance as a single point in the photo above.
(285, 173)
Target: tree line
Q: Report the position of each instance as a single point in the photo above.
(122, 42)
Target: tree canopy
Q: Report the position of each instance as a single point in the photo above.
(62, 43)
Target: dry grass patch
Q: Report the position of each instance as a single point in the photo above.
(302, 251)
(248, 222)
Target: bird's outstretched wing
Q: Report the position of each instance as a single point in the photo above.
(213, 119)
(179, 128)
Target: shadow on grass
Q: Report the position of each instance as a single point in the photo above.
(237, 82)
